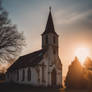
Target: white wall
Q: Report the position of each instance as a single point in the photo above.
(34, 75)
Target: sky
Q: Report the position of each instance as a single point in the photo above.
(72, 20)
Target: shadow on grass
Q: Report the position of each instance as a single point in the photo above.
(7, 87)
(76, 90)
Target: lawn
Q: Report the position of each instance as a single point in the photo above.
(26, 88)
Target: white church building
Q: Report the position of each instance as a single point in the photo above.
(42, 67)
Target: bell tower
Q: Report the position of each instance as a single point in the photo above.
(49, 36)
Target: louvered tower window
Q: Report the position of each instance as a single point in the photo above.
(46, 39)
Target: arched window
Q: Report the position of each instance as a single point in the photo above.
(46, 39)
(29, 74)
(17, 75)
(54, 40)
(43, 73)
(23, 75)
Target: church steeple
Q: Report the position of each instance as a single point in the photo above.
(50, 25)
(49, 36)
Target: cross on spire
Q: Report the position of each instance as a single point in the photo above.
(50, 8)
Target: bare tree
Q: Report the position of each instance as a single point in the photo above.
(11, 41)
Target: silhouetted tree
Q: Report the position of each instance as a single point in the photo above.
(88, 72)
(88, 63)
(74, 78)
(11, 41)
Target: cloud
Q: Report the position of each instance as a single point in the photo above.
(74, 20)
(67, 17)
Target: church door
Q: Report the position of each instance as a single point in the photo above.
(53, 77)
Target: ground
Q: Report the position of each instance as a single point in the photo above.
(5, 87)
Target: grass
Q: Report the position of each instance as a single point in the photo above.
(6, 87)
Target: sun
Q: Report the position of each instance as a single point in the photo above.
(82, 53)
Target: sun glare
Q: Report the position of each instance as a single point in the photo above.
(82, 53)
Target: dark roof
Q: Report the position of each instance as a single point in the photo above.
(31, 59)
(50, 25)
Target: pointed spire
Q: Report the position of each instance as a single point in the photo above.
(50, 8)
(50, 25)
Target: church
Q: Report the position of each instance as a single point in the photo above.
(42, 67)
